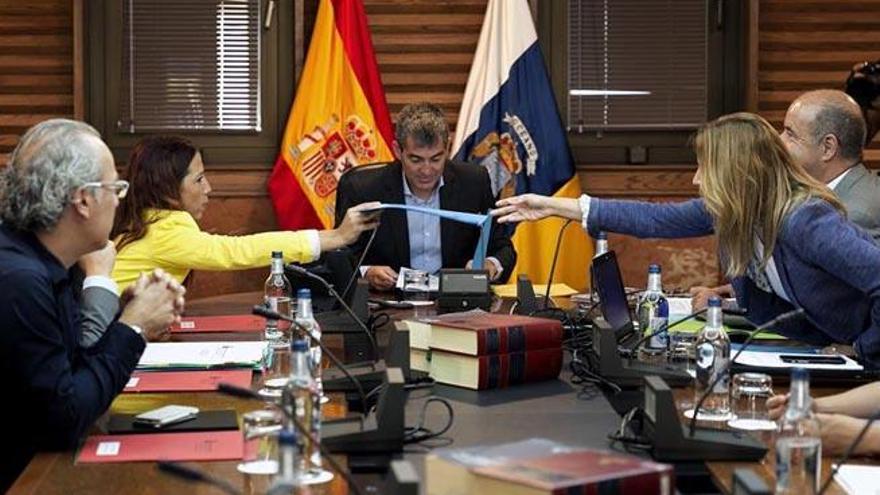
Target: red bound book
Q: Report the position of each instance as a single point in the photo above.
(495, 370)
(186, 381)
(190, 446)
(226, 323)
(479, 333)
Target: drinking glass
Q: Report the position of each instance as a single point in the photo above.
(749, 393)
(276, 369)
(260, 431)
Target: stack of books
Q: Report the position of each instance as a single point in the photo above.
(539, 466)
(479, 350)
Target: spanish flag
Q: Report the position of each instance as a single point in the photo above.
(339, 118)
(509, 124)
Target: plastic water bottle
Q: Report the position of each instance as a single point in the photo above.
(601, 244)
(798, 443)
(299, 399)
(288, 473)
(277, 292)
(712, 354)
(306, 318)
(653, 315)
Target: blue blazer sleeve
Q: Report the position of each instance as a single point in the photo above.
(650, 220)
(69, 387)
(847, 253)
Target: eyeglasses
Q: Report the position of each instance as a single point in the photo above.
(119, 187)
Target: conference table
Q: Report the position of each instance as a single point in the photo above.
(555, 409)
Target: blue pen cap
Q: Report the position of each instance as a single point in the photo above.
(299, 345)
(304, 294)
(287, 437)
(714, 302)
(654, 268)
(800, 374)
(602, 235)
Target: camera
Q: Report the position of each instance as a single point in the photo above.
(863, 84)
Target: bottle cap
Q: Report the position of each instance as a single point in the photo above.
(654, 268)
(714, 302)
(287, 437)
(304, 294)
(300, 345)
(277, 254)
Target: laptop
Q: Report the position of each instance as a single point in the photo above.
(612, 295)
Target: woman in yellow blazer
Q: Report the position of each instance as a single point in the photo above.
(155, 225)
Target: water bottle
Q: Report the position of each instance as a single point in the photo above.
(306, 318)
(653, 315)
(798, 443)
(299, 400)
(288, 472)
(712, 355)
(277, 292)
(601, 244)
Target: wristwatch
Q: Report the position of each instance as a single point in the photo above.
(138, 330)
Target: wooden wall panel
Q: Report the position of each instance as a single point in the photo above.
(36, 66)
(812, 44)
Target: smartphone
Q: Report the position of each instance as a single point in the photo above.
(811, 359)
(166, 415)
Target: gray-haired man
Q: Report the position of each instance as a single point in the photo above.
(58, 196)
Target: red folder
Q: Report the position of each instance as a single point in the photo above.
(227, 323)
(189, 446)
(186, 381)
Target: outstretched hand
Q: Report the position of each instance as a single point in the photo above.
(523, 208)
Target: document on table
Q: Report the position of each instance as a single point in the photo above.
(202, 355)
(856, 479)
(759, 359)
(475, 219)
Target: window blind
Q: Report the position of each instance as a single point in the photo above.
(190, 66)
(637, 64)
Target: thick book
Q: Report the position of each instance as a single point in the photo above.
(495, 370)
(186, 381)
(189, 446)
(540, 466)
(478, 333)
(420, 360)
(226, 323)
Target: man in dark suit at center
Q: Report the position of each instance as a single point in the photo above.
(423, 175)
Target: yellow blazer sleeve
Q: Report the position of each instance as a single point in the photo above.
(180, 242)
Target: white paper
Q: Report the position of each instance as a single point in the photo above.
(132, 382)
(858, 480)
(107, 449)
(679, 307)
(201, 354)
(411, 280)
(772, 360)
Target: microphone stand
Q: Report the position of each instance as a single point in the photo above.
(246, 393)
(795, 313)
(302, 271)
(265, 312)
(553, 265)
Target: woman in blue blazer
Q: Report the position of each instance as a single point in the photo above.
(783, 237)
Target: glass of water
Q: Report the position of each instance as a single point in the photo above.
(276, 369)
(260, 430)
(749, 393)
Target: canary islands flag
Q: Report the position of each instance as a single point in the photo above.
(509, 124)
(339, 118)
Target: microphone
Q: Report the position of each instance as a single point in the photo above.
(357, 267)
(849, 452)
(553, 265)
(302, 271)
(265, 312)
(192, 474)
(666, 326)
(795, 313)
(246, 393)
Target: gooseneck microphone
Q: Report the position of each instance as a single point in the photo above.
(195, 475)
(302, 271)
(795, 313)
(553, 264)
(246, 393)
(265, 312)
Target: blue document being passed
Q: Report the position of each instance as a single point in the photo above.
(484, 222)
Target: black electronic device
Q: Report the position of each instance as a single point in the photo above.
(612, 295)
(526, 302)
(371, 376)
(403, 478)
(629, 373)
(747, 482)
(463, 290)
(671, 443)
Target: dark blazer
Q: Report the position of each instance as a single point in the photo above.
(860, 193)
(466, 188)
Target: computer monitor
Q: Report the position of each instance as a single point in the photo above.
(612, 295)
